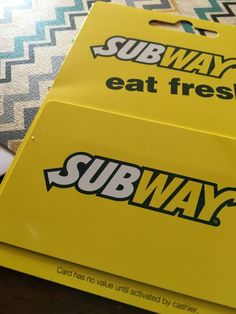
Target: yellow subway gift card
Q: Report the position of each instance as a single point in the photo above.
(125, 185)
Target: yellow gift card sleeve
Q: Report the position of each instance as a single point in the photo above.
(125, 185)
(141, 70)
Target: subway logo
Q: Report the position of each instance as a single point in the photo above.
(152, 189)
(165, 56)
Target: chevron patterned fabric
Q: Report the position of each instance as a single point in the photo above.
(35, 36)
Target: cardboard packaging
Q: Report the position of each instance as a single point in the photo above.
(124, 185)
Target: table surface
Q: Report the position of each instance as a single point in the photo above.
(20, 293)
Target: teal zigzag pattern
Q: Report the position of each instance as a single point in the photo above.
(49, 27)
(32, 95)
(32, 47)
(40, 30)
(152, 5)
(229, 13)
(214, 8)
(8, 11)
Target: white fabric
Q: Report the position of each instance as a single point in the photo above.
(6, 158)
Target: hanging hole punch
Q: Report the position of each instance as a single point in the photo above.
(184, 26)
